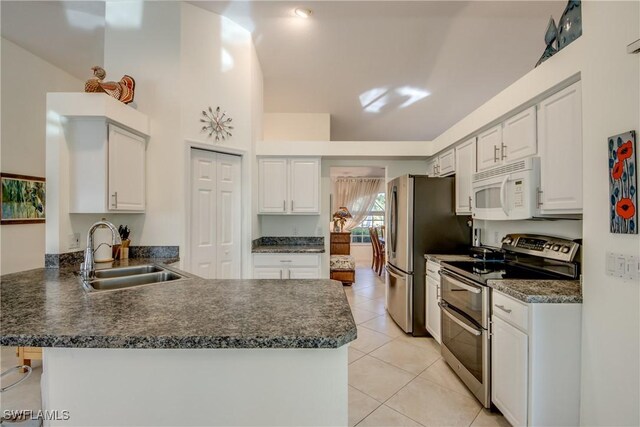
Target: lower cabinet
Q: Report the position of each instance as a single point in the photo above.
(509, 366)
(286, 266)
(535, 361)
(432, 315)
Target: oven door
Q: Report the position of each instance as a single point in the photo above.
(465, 296)
(465, 347)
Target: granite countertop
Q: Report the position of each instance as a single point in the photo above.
(540, 291)
(289, 245)
(48, 307)
(453, 257)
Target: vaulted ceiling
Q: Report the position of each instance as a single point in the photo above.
(384, 70)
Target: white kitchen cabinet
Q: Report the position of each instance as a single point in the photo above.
(465, 168)
(534, 348)
(286, 266)
(560, 142)
(305, 186)
(443, 164)
(273, 185)
(107, 168)
(447, 163)
(432, 315)
(509, 371)
(519, 136)
(432, 166)
(513, 139)
(489, 144)
(289, 186)
(127, 153)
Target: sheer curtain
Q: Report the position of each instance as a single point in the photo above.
(358, 195)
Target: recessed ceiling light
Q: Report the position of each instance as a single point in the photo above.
(303, 13)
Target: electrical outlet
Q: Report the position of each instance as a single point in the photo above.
(74, 241)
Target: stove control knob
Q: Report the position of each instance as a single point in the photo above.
(556, 248)
(508, 240)
(548, 246)
(565, 249)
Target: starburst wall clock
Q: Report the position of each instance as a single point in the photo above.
(216, 123)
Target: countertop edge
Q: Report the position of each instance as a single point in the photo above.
(501, 286)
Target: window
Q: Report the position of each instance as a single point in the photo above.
(375, 218)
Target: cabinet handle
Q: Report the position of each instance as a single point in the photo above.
(280, 274)
(538, 197)
(285, 260)
(284, 206)
(470, 207)
(501, 307)
(115, 200)
(291, 205)
(503, 151)
(495, 153)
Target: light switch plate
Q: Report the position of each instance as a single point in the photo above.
(632, 268)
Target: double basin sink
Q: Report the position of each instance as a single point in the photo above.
(111, 279)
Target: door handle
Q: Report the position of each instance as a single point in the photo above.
(503, 197)
(460, 322)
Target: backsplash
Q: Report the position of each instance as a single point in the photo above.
(494, 231)
(77, 257)
(287, 241)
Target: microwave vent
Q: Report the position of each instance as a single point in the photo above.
(501, 170)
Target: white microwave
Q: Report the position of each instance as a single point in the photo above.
(507, 192)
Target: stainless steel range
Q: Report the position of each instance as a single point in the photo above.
(466, 300)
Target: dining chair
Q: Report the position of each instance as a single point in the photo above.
(375, 249)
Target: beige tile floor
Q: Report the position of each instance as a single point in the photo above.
(399, 380)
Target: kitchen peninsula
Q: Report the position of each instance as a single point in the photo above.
(189, 352)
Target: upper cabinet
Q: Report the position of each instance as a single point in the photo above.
(511, 140)
(289, 186)
(560, 141)
(107, 168)
(443, 164)
(465, 157)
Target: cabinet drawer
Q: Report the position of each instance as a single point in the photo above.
(510, 310)
(340, 237)
(286, 260)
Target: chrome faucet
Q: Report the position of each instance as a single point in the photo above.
(88, 268)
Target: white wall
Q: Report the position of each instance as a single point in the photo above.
(611, 313)
(26, 79)
(297, 127)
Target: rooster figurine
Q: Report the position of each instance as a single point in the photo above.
(122, 91)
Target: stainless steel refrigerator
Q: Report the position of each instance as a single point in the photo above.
(421, 220)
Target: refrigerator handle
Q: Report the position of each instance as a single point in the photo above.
(393, 228)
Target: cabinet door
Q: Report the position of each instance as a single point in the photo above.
(303, 273)
(489, 143)
(268, 273)
(509, 371)
(305, 186)
(465, 168)
(432, 166)
(519, 136)
(127, 170)
(560, 141)
(433, 310)
(447, 163)
(273, 185)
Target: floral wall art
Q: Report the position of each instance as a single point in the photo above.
(623, 183)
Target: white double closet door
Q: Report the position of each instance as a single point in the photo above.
(215, 249)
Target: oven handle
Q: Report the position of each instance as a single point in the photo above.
(459, 322)
(458, 281)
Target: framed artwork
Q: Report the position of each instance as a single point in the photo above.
(623, 183)
(23, 199)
